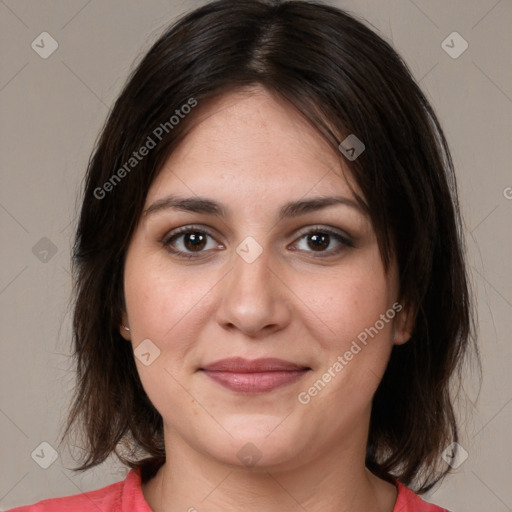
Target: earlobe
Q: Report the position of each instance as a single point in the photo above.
(124, 329)
(401, 337)
(125, 332)
(403, 326)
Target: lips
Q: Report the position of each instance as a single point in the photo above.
(241, 365)
(256, 376)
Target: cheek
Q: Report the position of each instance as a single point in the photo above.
(163, 303)
(162, 307)
(341, 305)
(354, 342)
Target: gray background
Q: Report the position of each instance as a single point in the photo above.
(52, 111)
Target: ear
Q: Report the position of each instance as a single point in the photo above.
(124, 321)
(404, 323)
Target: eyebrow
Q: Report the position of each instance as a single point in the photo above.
(210, 207)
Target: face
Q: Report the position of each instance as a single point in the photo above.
(267, 269)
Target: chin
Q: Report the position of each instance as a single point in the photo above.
(259, 442)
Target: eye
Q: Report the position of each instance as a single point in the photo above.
(189, 241)
(193, 242)
(319, 240)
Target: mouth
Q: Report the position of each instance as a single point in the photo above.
(256, 376)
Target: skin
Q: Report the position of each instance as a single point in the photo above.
(253, 152)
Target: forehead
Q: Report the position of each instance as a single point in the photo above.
(255, 145)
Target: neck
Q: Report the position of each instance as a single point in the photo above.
(336, 481)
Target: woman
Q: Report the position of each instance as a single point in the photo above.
(271, 295)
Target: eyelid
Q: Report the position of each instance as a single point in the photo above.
(326, 229)
(188, 228)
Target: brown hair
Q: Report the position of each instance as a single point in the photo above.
(345, 80)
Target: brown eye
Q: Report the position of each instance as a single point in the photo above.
(320, 239)
(194, 241)
(189, 241)
(318, 242)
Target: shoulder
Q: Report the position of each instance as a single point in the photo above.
(408, 501)
(119, 497)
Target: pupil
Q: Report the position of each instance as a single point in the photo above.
(195, 240)
(320, 241)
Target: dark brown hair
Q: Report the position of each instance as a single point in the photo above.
(345, 80)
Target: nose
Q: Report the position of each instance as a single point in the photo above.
(255, 299)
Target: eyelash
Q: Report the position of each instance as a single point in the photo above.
(170, 237)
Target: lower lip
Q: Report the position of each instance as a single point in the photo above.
(255, 382)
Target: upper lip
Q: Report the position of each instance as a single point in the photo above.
(241, 365)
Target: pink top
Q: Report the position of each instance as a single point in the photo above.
(126, 496)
